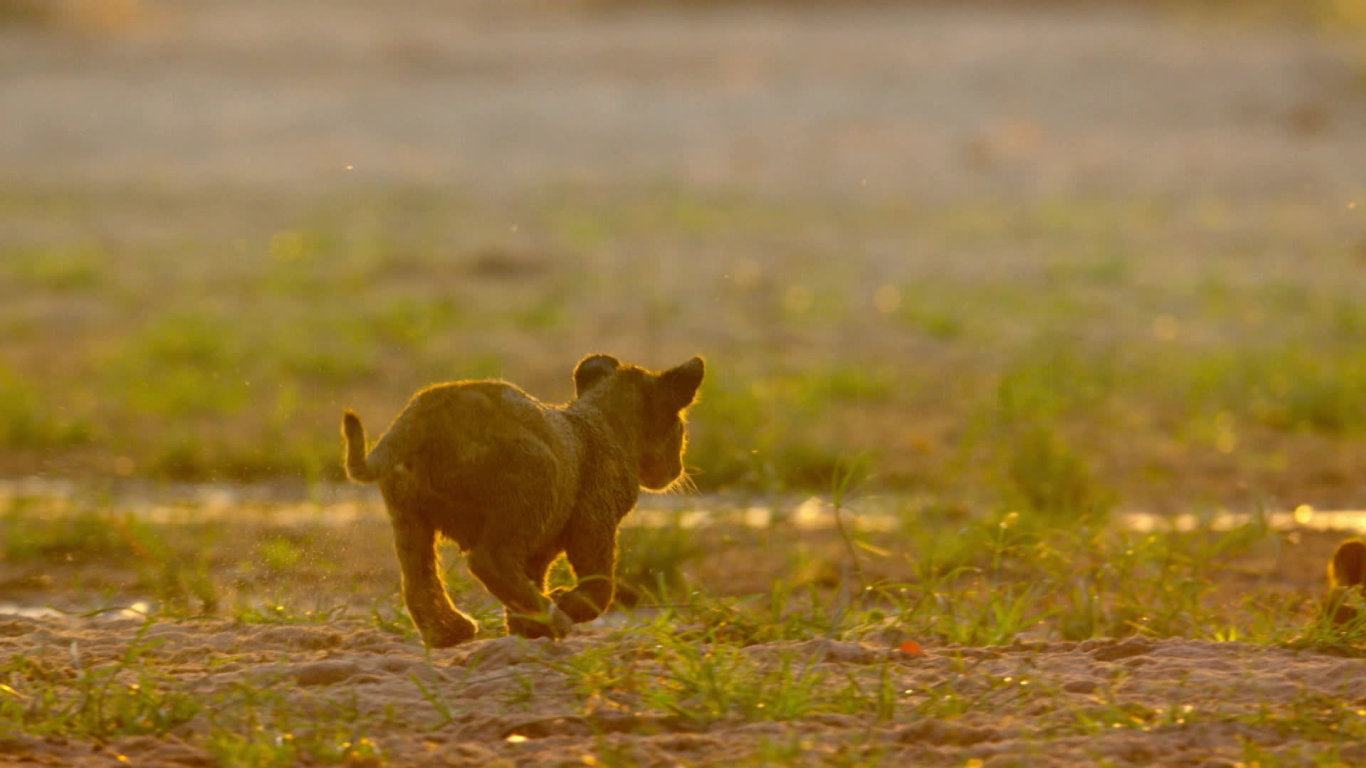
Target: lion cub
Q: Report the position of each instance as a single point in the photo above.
(515, 482)
(1346, 574)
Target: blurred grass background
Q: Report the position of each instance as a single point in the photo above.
(1052, 351)
(1106, 349)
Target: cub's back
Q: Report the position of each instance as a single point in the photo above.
(472, 428)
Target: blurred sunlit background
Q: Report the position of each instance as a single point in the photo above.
(1065, 257)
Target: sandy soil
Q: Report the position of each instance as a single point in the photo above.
(614, 694)
(1170, 702)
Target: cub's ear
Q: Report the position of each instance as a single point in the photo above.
(680, 384)
(591, 370)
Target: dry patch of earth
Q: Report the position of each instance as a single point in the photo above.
(612, 696)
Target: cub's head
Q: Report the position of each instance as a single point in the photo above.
(657, 399)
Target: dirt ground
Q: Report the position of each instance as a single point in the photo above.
(1194, 703)
(286, 668)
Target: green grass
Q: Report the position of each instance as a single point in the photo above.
(942, 342)
(944, 573)
(29, 423)
(74, 268)
(126, 697)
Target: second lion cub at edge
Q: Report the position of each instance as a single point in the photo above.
(515, 482)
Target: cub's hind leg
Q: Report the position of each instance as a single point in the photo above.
(437, 619)
(592, 552)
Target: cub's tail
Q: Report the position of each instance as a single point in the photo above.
(357, 468)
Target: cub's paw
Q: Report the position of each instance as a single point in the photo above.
(449, 632)
(553, 623)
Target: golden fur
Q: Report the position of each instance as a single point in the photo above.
(516, 482)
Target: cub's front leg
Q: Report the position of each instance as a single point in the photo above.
(528, 612)
(554, 622)
(592, 552)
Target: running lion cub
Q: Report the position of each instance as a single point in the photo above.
(515, 482)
